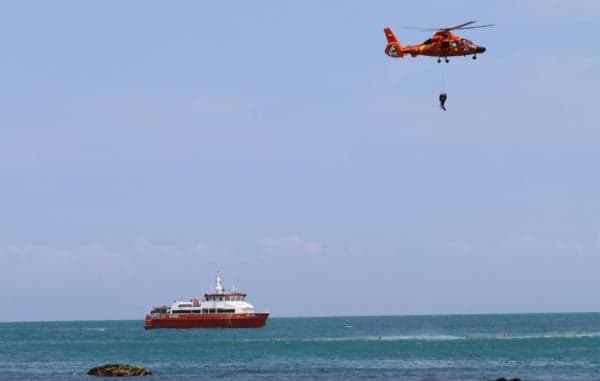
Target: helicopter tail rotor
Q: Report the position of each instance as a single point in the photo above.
(393, 47)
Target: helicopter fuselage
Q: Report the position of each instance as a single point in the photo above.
(440, 44)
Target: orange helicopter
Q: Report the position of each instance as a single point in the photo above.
(443, 43)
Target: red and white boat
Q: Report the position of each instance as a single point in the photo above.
(218, 309)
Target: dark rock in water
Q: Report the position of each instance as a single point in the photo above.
(118, 370)
(506, 379)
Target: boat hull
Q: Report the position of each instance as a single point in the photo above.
(211, 320)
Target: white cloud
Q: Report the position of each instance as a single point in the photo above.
(46, 259)
(521, 245)
(61, 277)
(293, 245)
(184, 255)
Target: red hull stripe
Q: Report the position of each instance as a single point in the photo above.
(226, 320)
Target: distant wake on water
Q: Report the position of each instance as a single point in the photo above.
(426, 337)
(93, 329)
(418, 337)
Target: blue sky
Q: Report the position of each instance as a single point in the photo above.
(146, 144)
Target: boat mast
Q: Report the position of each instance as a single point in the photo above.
(219, 289)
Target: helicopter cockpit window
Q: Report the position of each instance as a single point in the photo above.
(428, 41)
(468, 43)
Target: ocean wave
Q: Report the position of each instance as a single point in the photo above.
(549, 335)
(360, 338)
(431, 337)
(93, 329)
(441, 337)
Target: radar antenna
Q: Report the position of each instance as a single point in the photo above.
(219, 288)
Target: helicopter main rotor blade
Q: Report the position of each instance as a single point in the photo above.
(448, 29)
(478, 26)
(458, 26)
(419, 28)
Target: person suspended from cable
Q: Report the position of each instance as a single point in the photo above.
(443, 98)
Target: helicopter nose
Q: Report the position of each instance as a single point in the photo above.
(480, 49)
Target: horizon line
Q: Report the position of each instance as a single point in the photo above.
(331, 316)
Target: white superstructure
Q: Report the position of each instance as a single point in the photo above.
(219, 301)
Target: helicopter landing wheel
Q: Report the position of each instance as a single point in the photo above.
(439, 60)
(474, 57)
(447, 60)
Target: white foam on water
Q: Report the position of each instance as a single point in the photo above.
(94, 329)
(533, 336)
(434, 337)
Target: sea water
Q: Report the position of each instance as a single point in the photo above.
(427, 348)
